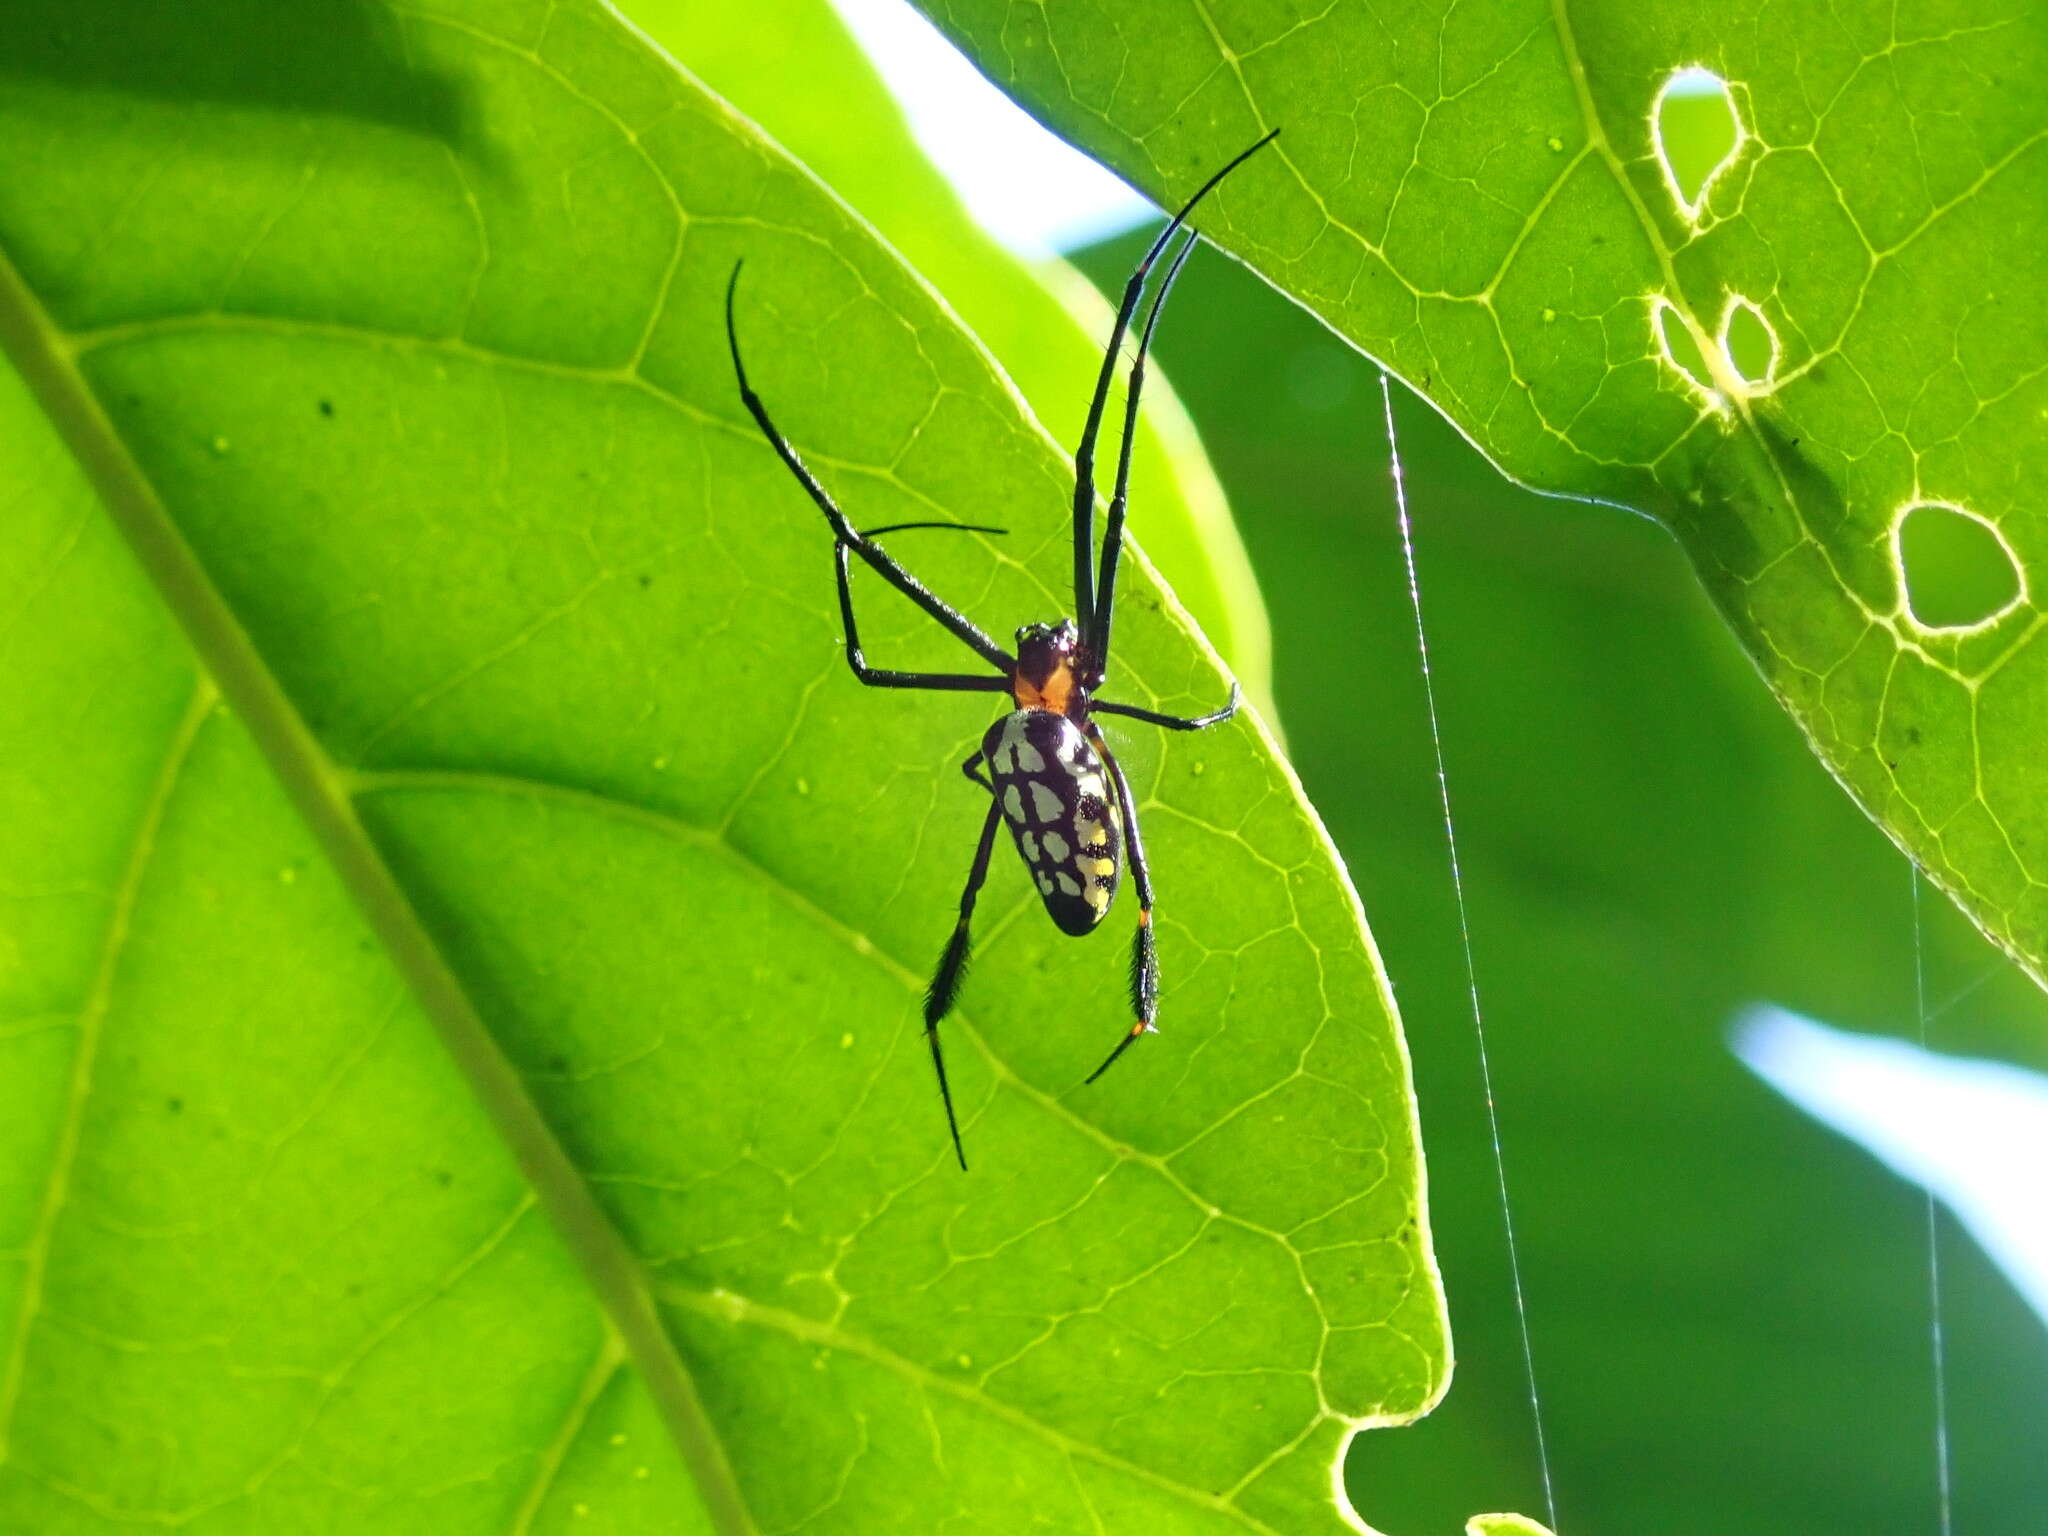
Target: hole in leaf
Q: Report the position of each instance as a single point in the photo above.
(1749, 342)
(1956, 569)
(1696, 132)
(1681, 351)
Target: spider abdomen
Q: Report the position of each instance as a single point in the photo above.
(1055, 795)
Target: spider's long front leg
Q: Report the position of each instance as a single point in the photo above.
(1084, 455)
(1171, 722)
(1144, 948)
(955, 622)
(880, 677)
(1103, 618)
(938, 997)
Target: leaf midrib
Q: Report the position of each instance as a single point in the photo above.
(47, 362)
(727, 1305)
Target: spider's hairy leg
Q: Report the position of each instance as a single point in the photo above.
(938, 997)
(1104, 616)
(1084, 454)
(1171, 722)
(882, 677)
(872, 554)
(1144, 944)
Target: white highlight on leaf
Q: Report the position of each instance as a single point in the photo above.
(1896, 543)
(1694, 80)
(1973, 1132)
(1031, 190)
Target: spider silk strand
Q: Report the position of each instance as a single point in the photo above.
(1937, 1335)
(1443, 784)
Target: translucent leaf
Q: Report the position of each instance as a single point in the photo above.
(465, 928)
(1479, 196)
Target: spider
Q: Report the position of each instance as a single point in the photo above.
(1047, 770)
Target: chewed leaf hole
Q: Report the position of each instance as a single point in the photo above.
(1681, 348)
(1697, 134)
(1956, 571)
(1749, 342)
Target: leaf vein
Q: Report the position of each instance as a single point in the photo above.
(92, 1019)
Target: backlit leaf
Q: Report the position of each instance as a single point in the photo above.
(1477, 194)
(464, 926)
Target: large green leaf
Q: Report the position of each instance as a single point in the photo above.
(462, 1068)
(1648, 849)
(1473, 193)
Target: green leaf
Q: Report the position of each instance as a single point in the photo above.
(462, 1057)
(1648, 850)
(1044, 322)
(1475, 196)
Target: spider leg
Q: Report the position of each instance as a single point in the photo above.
(880, 677)
(972, 768)
(1113, 536)
(938, 997)
(955, 622)
(874, 533)
(1144, 949)
(1084, 455)
(1171, 722)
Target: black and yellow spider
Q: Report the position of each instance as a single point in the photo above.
(1049, 773)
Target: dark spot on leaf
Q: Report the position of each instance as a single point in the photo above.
(443, 1177)
(175, 1106)
(558, 1064)
(646, 580)
(1913, 734)
(326, 407)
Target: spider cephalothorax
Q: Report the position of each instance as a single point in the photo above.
(1050, 775)
(1052, 671)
